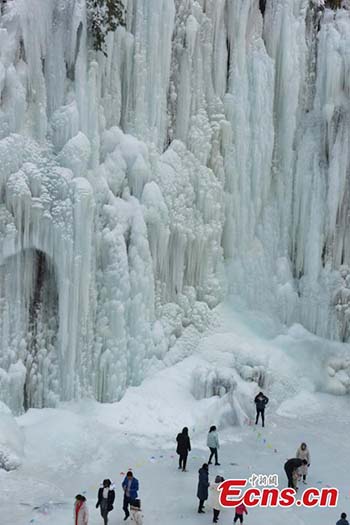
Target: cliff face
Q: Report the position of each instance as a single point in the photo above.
(207, 154)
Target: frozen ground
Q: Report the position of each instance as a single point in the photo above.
(70, 449)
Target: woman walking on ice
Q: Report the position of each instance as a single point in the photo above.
(215, 498)
(183, 448)
(105, 499)
(203, 485)
(213, 444)
(304, 453)
(80, 513)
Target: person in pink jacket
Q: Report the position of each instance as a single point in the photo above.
(80, 512)
(240, 510)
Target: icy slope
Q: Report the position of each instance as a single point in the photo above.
(210, 134)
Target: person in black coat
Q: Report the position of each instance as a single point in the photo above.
(183, 448)
(260, 403)
(105, 499)
(290, 467)
(203, 485)
(343, 520)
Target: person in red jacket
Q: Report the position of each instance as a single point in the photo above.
(240, 510)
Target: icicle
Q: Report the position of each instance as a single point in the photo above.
(213, 133)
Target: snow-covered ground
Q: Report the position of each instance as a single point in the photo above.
(72, 448)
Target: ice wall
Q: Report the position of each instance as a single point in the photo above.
(299, 245)
(211, 135)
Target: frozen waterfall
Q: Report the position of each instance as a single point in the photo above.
(208, 153)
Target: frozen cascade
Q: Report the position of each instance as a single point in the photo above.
(210, 138)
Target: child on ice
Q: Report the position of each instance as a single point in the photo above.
(80, 513)
(135, 511)
(240, 510)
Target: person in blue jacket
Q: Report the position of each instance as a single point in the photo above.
(343, 520)
(130, 486)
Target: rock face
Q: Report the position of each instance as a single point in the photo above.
(212, 134)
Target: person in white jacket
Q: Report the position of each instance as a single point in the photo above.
(303, 453)
(136, 512)
(215, 497)
(80, 511)
(213, 444)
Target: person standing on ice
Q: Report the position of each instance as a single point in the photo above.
(136, 512)
(291, 466)
(80, 512)
(183, 448)
(213, 444)
(203, 485)
(260, 403)
(215, 498)
(343, 520)
(240, 510)
(130, 486)
(105, 499)
(304, 453)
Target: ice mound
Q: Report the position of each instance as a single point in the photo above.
(208, 382)
(338, 380)
(11, 440)
(304, 404)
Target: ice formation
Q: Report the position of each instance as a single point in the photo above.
(11, 440)
(215, 133)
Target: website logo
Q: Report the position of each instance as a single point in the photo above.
(267, 494)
